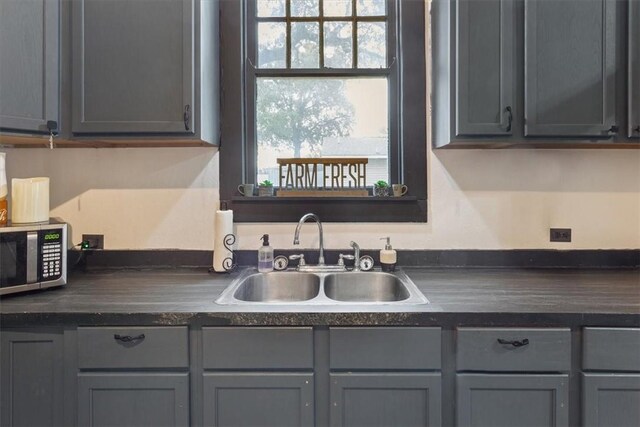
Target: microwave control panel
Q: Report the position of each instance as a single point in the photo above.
(50, 262)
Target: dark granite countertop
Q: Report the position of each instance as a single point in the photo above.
(527, 297)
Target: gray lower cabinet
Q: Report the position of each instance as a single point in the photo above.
(634, 69)
(133, 376)
(385, 399)
(611, 400)
(258, 376)
(31, 369)
(133, 399)
(133, 67)
(516, 389)
(385, 376)
(242, 399)
(485, 43)
(29, 64)
(611, 391)
(509, 400)
(570, 68)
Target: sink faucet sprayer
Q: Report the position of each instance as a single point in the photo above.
(296, 237)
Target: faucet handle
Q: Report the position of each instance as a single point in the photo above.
(342, 257)
(300, 257)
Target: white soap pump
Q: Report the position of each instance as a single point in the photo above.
(388, 256)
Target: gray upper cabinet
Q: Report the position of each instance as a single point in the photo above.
(535, 73)
(485, 43)
(31, 369)
(133, 67)
(29, 64)
(570, 68)
(634, 69)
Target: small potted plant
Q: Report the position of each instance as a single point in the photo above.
(265, 188)
(381, 189)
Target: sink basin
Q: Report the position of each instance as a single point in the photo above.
(365, 287)
(278, 287)
(294, 288)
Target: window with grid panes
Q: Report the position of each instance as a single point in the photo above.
(325, 78)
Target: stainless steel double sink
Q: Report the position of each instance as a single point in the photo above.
(293, 287)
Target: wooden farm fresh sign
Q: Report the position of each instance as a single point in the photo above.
(329, 177)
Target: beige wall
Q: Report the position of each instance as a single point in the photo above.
(166, 198)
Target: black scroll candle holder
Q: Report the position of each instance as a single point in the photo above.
(229, 263)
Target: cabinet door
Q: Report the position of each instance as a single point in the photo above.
(31, 372)
(634, 68)
(29, 64)
(407, 399)
(133, 66)
(133, 399)
(484, 58)
(512, 400)
(258, 399)
(611, 400)
(570, 68)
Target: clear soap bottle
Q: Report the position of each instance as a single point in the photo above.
(265, 256)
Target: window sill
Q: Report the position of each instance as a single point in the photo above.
(329, 209)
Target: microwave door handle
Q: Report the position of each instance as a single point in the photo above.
(32, 257)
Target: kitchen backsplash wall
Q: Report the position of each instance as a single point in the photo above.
(493, 199)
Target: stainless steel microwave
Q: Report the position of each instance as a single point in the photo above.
(32, 256)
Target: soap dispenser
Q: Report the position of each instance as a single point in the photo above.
(265, 256)
(388, 256)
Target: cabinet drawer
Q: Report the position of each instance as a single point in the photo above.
(257, 348)
(410, 348)
(543, 350)
(133, 347)
(611, 349)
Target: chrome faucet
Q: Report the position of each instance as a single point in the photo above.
(296, 236)
(356, 255)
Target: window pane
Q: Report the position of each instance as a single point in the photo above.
(337, 7)
(267, 8)
(305, 52)
(305, 8)
(338, 45)
(322, 117)
(272, 45)
(371, 7)
(372, 44)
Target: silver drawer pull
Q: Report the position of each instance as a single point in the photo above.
(514, 343)
(128, 338)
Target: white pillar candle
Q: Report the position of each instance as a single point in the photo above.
(29, 200)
